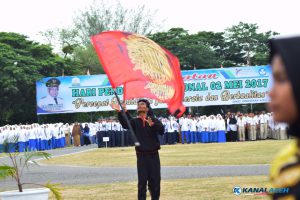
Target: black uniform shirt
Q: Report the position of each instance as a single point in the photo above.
(146, 135)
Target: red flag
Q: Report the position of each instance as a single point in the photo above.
(142, 66)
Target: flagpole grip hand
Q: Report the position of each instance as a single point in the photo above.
(124, 106)
(115, 106)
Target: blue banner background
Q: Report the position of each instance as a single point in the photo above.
(221, 86)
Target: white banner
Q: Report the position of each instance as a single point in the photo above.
(222, 86)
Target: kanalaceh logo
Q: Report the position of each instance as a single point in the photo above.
(258, 191)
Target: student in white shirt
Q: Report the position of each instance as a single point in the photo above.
(38, 134)
(256, 119)
(176, 129)
(170, 131)
(48, 132)
(32, 139)
(271, 124)
(61, 136)
(241, 123)
(221, 129)
(263, 125)
(120, 136)
(282, 131)
(193, 130)
(252, 123)
(55, 132)
(101, 133)
(199, 129)
(44, 141)
(12, 139)
(21, 139)
(93, 133)
(276, 131)
(205, 129)
(185, 129)
(5, 139)
(212, 135)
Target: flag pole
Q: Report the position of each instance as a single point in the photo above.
(136, 142)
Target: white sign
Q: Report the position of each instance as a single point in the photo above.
(205, 87)
(105, 139)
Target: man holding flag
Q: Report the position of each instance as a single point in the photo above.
(146, 70)
(146, 127)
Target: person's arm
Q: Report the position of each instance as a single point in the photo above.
(123, 121)
(121, 118)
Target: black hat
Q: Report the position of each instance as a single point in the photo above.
(53, 82)
(145, 101)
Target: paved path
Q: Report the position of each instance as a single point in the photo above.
(73, 175)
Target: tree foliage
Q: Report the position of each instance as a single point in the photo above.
(191, 50)
(22, 63)
(245, 45)
(238, 45)
(105, 15)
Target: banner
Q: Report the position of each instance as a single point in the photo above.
(92, 93)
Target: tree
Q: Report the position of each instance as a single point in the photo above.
(192, 50)
(245, 44)
(88, 59)
(23, 62)
(66, 39)
(69, 40)
(214, 40)
(104, 16)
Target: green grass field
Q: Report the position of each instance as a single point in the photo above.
(218, 188)
(236, 153)
(215, 188)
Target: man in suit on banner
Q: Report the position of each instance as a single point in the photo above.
(52, 102)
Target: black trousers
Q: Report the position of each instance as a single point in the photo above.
(100, 135)
(112, 138)
(148, 167)
(118, 137)
(232, 136)
(86, 140)
(172, 137)
(125, 133)
(130, 139)
(176, 137)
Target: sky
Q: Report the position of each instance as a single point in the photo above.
(29, 17)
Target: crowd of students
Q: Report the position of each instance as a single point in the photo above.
(187, 129)
(231, 127)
